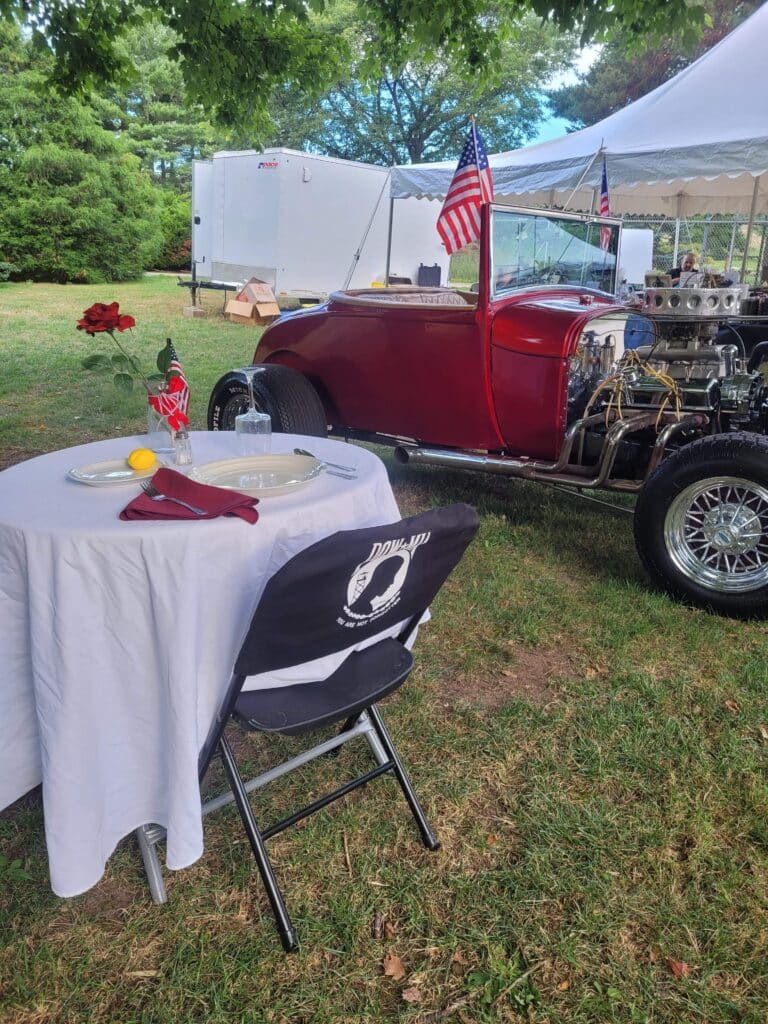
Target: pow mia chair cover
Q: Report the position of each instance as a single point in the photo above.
(337, 594)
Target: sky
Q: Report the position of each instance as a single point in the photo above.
(554, 127)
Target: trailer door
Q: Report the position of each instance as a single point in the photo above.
(202, 216)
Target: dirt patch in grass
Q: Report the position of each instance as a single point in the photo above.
(106, 900)
(409, 499)
(10, 456)
(533, 676)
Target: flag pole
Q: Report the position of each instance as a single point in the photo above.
(474, 137)
(474, 130)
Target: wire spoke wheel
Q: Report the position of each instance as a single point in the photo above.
(701, 523)
(716, 533)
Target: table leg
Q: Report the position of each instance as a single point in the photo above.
(148, 837)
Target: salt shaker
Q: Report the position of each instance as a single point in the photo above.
(182, 447)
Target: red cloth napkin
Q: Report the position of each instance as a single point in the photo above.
(215, 500)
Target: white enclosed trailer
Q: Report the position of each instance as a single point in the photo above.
(305, 224)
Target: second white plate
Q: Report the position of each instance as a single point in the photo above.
(259, 475)
(105, 474)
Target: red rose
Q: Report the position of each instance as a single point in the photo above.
(104, 317)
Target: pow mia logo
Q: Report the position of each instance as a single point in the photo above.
(374, 587)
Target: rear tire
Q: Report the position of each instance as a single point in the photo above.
(701, 524)
(284, 394)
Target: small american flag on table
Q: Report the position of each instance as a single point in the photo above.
(471, 186)
(173, 402)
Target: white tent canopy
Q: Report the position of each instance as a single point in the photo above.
(696, 144)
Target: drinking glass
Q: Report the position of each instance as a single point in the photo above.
(253, 428)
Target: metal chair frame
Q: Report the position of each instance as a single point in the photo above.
(364, 678)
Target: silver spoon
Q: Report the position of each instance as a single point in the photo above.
(336, 465)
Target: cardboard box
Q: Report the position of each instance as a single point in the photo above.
(240, 312)
(258, 294)
(254, 304)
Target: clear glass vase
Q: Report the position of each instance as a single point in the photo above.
(159, 433)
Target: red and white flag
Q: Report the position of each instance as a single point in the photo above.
(173, 401)
(472, 185)
(605, 209)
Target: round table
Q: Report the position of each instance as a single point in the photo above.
(118, 638)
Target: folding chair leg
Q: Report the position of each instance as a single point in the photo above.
(371, 736)
(429, 838)
(283, 921)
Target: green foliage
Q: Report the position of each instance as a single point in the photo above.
(626, 70)
(123, 381)
(122, 365)
(421, 111)
(164, 357)
(6, 269)
(11, 870)
(158, 124)
(98, 361)
(126, 367)
(74, 203)
(503, 979)
(234, 54)
(175, 220)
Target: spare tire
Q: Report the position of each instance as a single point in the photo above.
(284, 394)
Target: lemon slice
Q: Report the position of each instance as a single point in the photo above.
(142, 458)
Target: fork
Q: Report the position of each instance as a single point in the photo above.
(336, 465)
(152, 492)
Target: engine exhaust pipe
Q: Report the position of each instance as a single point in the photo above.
(588, 477)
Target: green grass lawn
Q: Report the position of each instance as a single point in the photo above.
(592, 755)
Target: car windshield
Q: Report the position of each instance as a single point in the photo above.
(530, 248)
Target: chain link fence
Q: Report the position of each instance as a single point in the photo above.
(719, 243)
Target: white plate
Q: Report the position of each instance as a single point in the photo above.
(105, 474)
(259, 475)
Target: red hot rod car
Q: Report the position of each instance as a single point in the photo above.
(538, 373)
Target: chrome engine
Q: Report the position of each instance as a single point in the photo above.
(689, 361)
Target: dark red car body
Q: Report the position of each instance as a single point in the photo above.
(540, 374)
(491, 377)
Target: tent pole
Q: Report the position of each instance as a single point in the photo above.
(750, 225)
(761, 263)
(586, 171)
(389, 241)
(729, 262)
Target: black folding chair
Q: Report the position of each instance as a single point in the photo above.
(338, 593)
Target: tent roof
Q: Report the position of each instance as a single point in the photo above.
(695, 144)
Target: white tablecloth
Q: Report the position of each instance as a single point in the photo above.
(118, 638)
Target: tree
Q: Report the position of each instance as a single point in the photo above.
(235, 53)
(623, 74)
(74, 203)
(420, 111)
(165, 131)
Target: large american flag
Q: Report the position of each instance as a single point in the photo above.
(605, 209)
(173, 401)
(472, 185)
